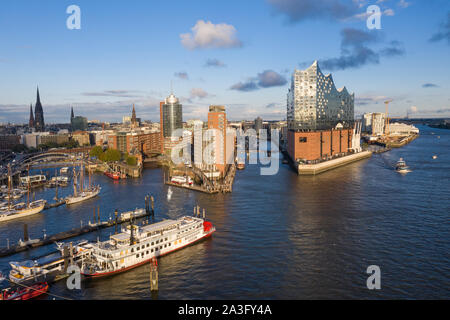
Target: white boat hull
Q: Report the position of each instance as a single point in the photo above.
(81, 198)
(22, 213)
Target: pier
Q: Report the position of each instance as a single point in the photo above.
(312, 169)
(94, 226)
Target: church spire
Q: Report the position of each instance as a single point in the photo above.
(39, 114)
(31, 121)
(133, 117)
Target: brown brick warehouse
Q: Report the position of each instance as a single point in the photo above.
(321, 144)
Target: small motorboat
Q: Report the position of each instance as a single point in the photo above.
(25, 293)
(434, 157)
(401, 166)
(112, 175)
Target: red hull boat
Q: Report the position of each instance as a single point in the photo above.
(25, 293)
(113, 175)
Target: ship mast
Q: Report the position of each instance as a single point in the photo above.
(28, 188)
(81, 176)
(9, 186)
(74, 182)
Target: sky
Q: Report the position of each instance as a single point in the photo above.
(240, 54)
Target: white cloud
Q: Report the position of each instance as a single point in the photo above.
(198, 93)
(404, 4)
(206, 35)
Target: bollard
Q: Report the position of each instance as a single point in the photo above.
(25, 233)
(153, 205)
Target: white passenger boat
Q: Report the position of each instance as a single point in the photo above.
(33, 181)
(64, 170)
(401, 166)
(138, 245)
(182, 180)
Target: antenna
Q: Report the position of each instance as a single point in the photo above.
(171, 86)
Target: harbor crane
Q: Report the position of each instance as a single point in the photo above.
(386, 120)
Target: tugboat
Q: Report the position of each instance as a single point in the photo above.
(25, 293)
(401, 166)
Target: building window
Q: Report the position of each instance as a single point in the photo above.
(303, 139)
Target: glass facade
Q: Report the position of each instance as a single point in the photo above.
(314, 103)
(172, 116)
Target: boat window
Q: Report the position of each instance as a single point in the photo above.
(137, 256)
(153, 243)
(146, 252)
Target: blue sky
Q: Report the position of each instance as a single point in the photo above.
(130, 51)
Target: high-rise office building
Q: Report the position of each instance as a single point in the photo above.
(172, 116)
(39, 114)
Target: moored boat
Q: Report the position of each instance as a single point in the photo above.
(112, 175)
(21, 210)
(182, 180)
(83, 196)
(138, 245)
(25, 293)
(50, 267)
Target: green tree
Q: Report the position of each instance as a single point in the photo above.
(112, 155)
(132, 161)
(96, 151)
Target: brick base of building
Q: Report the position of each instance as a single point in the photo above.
(317, 145)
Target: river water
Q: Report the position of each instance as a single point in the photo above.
(284, 236)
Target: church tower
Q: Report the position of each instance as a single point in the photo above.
(39, 114)
(31, 121)
(133, 118)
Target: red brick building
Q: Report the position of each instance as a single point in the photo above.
(146, 143)
(319, 144)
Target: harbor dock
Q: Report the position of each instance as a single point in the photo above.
(91, 227)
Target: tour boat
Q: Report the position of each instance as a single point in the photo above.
(49, 267)
(112, 175)
(25, 293)
(181, 180)
(138, 245)
(33, 181)
(401, 166)
(64, 170)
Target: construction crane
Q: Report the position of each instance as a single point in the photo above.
(386, 118)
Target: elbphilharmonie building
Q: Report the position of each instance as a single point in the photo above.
(314, 103)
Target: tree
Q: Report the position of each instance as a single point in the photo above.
(131, 161)
(112, 155)
(96, 152)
